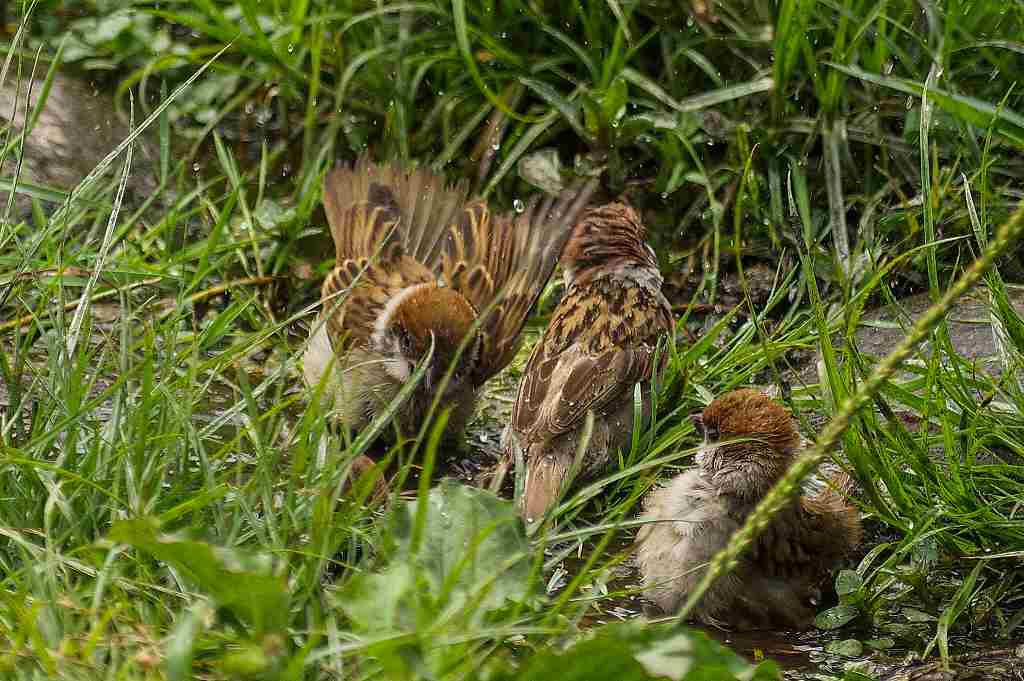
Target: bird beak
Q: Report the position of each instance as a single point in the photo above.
(698, 422)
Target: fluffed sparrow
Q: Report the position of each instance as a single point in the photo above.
(418, 263)
(749, 442)
(601, 342)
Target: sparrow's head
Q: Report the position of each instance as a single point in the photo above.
(749, 440)
(610, 235)
(421, 314)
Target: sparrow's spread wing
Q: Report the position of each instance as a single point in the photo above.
(601, 342)
(381, 211)
(369, 209)
(501, 263)
(394, 227)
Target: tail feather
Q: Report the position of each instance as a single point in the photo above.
(545, 477)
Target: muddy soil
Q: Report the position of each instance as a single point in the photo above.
(77, 127)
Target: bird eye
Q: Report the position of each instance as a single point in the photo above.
(698, 423)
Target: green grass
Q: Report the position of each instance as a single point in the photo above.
(171, 500)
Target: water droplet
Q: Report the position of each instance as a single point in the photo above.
(519, 205)
(291, 48)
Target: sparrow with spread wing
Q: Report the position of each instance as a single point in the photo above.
(601, 342)
(418, 264)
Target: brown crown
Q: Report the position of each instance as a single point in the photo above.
(608, 233)
(440, 310)
(752, 414)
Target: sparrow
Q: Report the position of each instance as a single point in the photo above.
(750, 441)
(602, 340)
(365, 467)
(419, 265)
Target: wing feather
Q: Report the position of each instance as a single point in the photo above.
(372, 205)
(387, 223)
(428, 206)
(362, 210)
(501, 264)
(355, 293)
(581, 365)
(395, 227)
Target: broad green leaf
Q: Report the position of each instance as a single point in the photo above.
(473, 546)
(383, 602)
(471, 552)
(850, 647)
(833, 618)
(634, 651)
(848, 582)
(241, 583)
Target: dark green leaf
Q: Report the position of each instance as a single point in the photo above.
(238, 582)
(848, 582)
(850, 647)
(833, 618)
